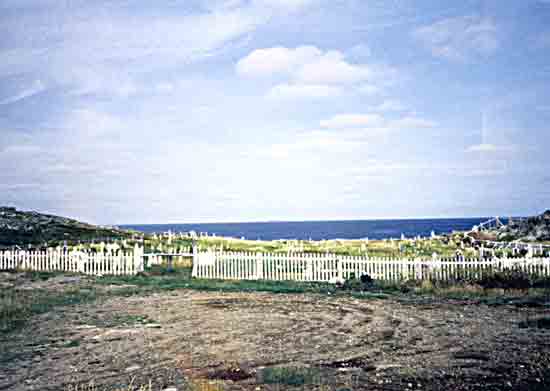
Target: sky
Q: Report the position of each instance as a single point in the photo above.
(173, 111)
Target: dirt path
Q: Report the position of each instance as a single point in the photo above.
(232, 341)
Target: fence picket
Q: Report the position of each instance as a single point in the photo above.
(332, 267)
(87, 262)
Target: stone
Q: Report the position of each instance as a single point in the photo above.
(133, 368)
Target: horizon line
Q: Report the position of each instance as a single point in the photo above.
(317, 220)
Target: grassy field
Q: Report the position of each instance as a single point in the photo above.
(444, 246)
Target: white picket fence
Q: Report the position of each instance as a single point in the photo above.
(267, 266)
(332, 268)
(87, 262)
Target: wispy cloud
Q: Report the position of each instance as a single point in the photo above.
(390, 105)
(353, 120)
(376, 121)
(34, 89)
(490, 148)
(460, 38)
(412, 123)
(104, 48)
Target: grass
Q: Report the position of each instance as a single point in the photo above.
(17, 306)
(181, 279)
(376, 248)
(291, 376)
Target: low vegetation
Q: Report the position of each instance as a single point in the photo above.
(18, 305)
(291, 376)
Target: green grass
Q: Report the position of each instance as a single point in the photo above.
(375, 248)
(181, 279)
(16, 307)
(291, 376)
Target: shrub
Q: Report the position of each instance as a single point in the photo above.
(362, 283)
(507, 279)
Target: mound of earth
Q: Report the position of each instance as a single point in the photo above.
(21, 228)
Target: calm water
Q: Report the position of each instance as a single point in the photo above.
(317, 230)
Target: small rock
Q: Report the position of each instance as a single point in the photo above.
(170, 389)
(134, 368)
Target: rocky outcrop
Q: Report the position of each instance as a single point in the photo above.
(20, 228)
(536, 228)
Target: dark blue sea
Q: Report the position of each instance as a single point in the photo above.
(318, 230)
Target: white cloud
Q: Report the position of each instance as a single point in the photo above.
(489, 148)
(298, 91)
(460, 38)
(353, 120)
(34, 89)
(333, 69)
(276, 60)
(375, 121)
(304, 64)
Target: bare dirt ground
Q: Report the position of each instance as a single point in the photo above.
(230, 341)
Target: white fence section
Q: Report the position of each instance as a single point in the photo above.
(332, 267)
(57, 259)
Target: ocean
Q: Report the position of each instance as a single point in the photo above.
(318, 230)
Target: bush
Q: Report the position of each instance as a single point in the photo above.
(507, 279)
(364, 282)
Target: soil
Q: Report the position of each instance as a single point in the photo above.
(194, 340)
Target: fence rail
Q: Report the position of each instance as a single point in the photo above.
(332, 268)
(268, 266)
(86, 262)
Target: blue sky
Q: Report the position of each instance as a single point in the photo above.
(245, 110)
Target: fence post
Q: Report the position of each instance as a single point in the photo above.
(259, 266)
(340, 269)
(138, 258)
(195, 260)
(309, 268)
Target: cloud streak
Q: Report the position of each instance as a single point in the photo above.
(460, 38)
(36, 88)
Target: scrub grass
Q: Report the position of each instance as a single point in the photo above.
(18, 305)
(291, 376)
